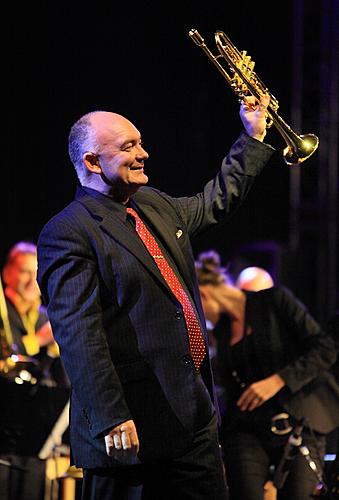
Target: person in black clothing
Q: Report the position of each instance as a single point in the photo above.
(272, 362)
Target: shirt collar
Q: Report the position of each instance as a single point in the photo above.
(107, 201)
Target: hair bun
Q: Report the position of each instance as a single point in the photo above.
(210, 261)
(209, 270)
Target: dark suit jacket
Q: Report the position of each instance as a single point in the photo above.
(121, 332)
(288, 341)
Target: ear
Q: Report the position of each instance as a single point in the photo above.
(91, 162)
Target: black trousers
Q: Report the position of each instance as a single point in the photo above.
(197, 475)
(249, 457)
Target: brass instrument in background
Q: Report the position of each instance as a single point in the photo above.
(15, 367)
(244, 82)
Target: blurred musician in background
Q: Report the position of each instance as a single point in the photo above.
(33, 383)
(273, 364)
(30, 330)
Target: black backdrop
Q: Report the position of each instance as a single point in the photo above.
(137, 59)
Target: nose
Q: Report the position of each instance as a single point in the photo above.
(142, 153)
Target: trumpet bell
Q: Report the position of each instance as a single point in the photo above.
(303, 149)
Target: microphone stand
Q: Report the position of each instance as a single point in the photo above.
(289, 454)
(321, 485)
(292, 447)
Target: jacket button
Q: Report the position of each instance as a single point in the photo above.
(187, 359)
(178, 315)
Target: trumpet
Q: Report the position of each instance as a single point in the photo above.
(244, 81)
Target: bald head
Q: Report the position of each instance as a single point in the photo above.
(254, 278)
(109, 128)
(105, 123)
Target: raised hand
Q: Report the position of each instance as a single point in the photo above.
(253, 116)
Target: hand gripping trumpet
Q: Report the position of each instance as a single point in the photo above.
(244, 82)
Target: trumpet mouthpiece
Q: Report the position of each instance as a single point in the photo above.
(196, 37)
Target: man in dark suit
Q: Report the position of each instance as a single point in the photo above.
(124, 317)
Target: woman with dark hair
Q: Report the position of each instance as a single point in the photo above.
(272, 361)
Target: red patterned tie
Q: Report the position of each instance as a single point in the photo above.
(197, 345)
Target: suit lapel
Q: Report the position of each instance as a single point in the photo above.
(114, 225)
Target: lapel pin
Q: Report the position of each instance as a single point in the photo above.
(178, 233)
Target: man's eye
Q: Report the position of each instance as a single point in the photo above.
(129, 147)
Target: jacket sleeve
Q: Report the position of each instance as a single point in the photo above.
(311, 350)
(69, 284)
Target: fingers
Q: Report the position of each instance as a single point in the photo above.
(255, 403)
(249, 400)
(250, 404)
(129, 438)
(251, 103)
(264, 101)
(109, 445)
(122, 439)
(125, 440)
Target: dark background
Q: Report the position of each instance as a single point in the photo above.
(137, 59)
